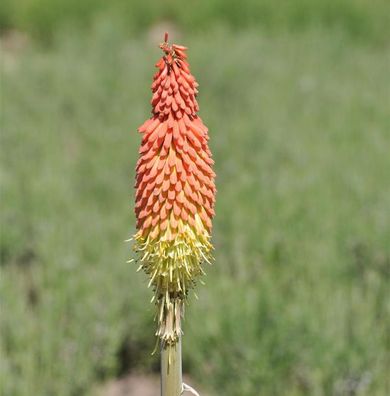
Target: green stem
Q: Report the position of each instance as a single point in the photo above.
(171, 371)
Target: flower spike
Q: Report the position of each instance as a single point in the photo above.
(175, 191)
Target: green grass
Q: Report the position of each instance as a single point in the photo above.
(367, 20)
(295, 303)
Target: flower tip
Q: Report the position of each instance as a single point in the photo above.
(165, 37)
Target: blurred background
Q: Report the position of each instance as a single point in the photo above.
(296, 95)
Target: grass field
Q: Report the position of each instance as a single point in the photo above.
(295, 303)
(362, 20)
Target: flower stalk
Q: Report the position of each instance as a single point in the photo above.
(171, 370)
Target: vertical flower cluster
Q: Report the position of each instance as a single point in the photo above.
(175, 191)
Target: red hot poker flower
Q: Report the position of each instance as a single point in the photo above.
(175, 190)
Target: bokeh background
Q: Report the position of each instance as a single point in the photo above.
(296, 95)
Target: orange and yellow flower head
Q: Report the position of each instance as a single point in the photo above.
(175, 191)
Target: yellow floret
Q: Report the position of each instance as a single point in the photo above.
(173, 266)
